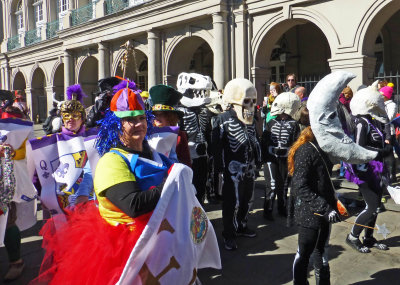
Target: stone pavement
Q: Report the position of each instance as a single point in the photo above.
(267, 259)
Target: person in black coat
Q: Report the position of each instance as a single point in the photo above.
(315, 205)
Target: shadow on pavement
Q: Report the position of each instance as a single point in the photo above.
(382, 277)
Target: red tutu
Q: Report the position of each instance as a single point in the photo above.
(86, 249)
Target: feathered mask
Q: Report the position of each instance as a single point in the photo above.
(74, 102)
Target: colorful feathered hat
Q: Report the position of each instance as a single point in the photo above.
(127, 102)
(74, 102)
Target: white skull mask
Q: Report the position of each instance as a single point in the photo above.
(195, 88)
(242, 95)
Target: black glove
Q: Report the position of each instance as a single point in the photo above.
(384, 152)
(332, 216)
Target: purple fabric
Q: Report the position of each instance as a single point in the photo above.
(169, 129)
(304, 99)
(345, 102)
(16, 121)
(87, 134)
(123, 84)
(122, 101)
(375, 169)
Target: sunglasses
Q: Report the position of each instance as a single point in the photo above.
(69, 116)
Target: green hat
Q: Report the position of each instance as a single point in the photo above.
(164, 98)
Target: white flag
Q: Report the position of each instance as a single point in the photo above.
(178, 239)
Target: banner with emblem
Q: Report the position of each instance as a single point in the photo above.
(15, 132)
(178, 239)
(59, 160)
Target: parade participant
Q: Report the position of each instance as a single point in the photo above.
(391, 110)
(236, 152)
(277, 138)
(130, 181)
(275, 90)
(291, 83)
(165, 100)
(309, 160)
(102, 101)
(196, 122)
(20, 104)
(61, 160)
(368, 108)
(17, 192)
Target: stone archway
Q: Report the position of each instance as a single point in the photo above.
(38, 95)
(191, 54)
(292, 46)
(87, 78)
(136, 69)
(58, 82)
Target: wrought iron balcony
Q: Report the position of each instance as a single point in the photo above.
(13, 43)
(82, 14)
(52, 29)
(32, 37)
(113, 6)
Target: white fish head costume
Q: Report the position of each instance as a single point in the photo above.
(325, 123)
(195, 89)
(287, 103)
(242, 95)
(369, 101)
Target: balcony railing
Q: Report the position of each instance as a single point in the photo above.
(13, 43)
(32, 37)
(52, 29)
(82, 14)
(113, 6)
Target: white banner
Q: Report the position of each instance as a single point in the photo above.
(59, 160)
(177, 240)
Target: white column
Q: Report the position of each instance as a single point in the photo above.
(104, 61)
(220, 50)
(68, 75)
(362, 66)
(7, 85)
(153, 58)
(241, 44)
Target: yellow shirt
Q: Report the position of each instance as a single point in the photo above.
(111, 170)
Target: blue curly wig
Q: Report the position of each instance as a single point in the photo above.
(111, 130)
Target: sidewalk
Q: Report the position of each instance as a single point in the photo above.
(268, 258)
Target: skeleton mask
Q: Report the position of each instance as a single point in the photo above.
(216, 105)
(287, 103)
(369, 101)
(242, 95)
(195, 89)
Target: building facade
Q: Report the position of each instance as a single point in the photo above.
(50, 44)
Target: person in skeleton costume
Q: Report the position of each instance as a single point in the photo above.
(196, 122)
(368, 108)
(278, 136)
(236, 152)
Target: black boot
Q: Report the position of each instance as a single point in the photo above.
(322, 276)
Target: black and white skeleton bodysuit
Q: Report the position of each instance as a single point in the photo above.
(277, 138)
(195, 123)
(369, 134)
(236, 152)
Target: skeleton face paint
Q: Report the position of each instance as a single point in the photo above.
(242, 95)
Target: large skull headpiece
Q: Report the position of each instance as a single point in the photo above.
(369, 101)
(287, 103)
(242, 95)
(195, 88)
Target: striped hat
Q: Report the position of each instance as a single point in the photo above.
(127, 103)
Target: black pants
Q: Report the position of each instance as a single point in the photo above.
(372, 194)
(311, 241)
(275, 173)
(200, 172)
(235, 204)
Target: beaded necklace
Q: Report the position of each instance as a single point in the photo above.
(7, 179)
